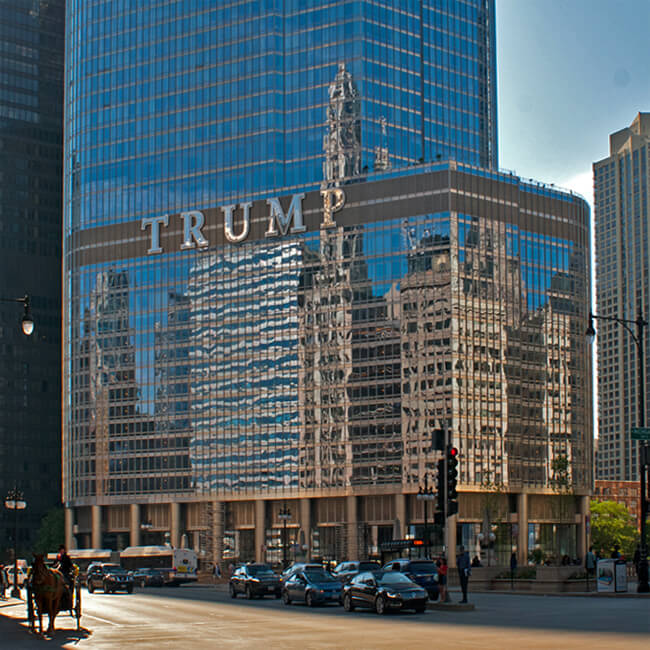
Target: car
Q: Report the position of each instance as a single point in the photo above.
(383, 591)
(149, 577)
(311, 586)
(22, 575)
(254, 580)
(422, 572)
(109, 577)
(298, 566)
(345, 571)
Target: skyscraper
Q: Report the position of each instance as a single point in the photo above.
(31, 138)
(313, 276)
(621, 197)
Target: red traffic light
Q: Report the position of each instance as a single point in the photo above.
(453, 452)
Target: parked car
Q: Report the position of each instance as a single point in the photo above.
(383, 591)
(311, 586)
(422, 572)
(345, 571)
(298, 566)
(149, 577)
(109, 577)
(254, 580)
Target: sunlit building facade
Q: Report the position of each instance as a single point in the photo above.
(324, 280)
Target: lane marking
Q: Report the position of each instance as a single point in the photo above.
(102, 620)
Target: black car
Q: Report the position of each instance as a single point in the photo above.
(345, 571)
(311, 586)
(254, 580)
(109, 577)
(149, 577)
(383, 591)
(423, 572)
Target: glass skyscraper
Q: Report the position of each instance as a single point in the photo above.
(31, 171)
(292, 270)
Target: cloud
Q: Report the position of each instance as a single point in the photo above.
(583, 184)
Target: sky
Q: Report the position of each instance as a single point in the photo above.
(570, 72)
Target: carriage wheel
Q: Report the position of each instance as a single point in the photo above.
(77, 603)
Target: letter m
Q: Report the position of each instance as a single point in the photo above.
(278, 219)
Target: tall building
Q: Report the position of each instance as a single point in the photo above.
(317, 277)
(31, 138)
(621, 198)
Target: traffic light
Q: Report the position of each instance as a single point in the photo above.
(452, 481)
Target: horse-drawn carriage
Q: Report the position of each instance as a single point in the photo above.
(49, 593)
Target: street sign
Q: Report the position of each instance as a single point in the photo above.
(640, 433)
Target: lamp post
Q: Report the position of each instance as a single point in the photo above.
(14, 501)
(27, 320)
(426, 494)
(640, 323)
(284, 515)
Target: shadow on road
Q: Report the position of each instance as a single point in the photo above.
(15, 633)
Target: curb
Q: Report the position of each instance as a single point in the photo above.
(567, 594)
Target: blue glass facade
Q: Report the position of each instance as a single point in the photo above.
(187, 104)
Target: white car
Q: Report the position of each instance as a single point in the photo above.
(22, 575)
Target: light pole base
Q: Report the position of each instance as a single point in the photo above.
(15, 592)
(643, 587)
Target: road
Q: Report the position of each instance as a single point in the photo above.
(205, 617)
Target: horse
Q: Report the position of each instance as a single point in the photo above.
(48, 588)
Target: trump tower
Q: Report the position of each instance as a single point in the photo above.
(294, 276)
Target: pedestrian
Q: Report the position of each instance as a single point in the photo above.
(513, 567)
(216, 573)
(464, 571)
(3, 582)
(590, 562)
(442, 578)
(615, 553)
(231, 569)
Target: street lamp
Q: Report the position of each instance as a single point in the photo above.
(640, 322)
(14, 501)
(27, 320)
(284, 515)
(426, 494)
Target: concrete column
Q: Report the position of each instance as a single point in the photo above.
(305, 524)
(96, 536)
(522, 537)
(260, 530)
(134, 539)
(217, 531)
(70, 541)
(451, 541)
(399, 529)
(352, 528)
(175, 518)
(583, 542)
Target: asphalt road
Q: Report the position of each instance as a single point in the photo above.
(205, 617)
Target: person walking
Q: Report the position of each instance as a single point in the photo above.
(216, 573)
(442, 576)
(590, 562)
(513, 568)
(3, 582)
(464, 571)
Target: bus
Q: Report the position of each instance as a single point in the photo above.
(179, 563)
(84, 557)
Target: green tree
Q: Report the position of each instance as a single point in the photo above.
(612, 525)
(52, 532)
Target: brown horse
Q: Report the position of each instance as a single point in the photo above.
(48, 588)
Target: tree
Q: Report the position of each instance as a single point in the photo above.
(51, 532)
(612, 525)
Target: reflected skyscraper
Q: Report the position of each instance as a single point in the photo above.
(327, 278)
